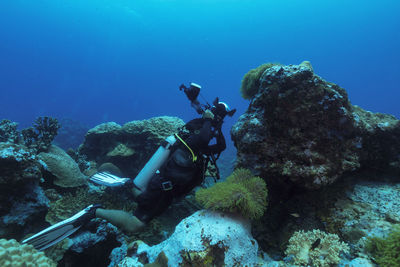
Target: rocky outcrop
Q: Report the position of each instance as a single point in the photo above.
(23, 202)
(92, 246)
(129, 146)
(302, 130)
(17, 164)
(380, 140)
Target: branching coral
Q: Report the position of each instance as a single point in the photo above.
(251, 81)
(40, 137)
(315, 248)
(386, 251)
(241, 193)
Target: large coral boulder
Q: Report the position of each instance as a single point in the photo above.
(65, 170)
(129, 146)
(204, 239)
(303, 130)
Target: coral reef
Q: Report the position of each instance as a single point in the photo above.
(41, 135)
(65, 170)
(241, 193)
(92, 246)
(23, 202)
(367, 208)
(302, 130)
(71, 203)
(17, 163)
(14, 254)
(9, 132)
(129, 146)
(37, 138)
(22, 209)
(386, 250)
(204, 239)
(315, 248)
(380, 140)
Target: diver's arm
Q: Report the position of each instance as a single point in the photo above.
(219, 146)
(203, 136)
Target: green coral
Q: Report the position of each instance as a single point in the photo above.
(251, 80)
(386, 251)
(241, 193)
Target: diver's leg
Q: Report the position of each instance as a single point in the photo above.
(153, 201)
(121, 219)
(136, 192)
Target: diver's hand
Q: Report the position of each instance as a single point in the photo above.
(182, 87)
(207, 114)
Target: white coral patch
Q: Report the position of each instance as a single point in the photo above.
(207, 228)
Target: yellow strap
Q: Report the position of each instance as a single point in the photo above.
(194, 157)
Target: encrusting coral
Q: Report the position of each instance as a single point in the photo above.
(14, 254)
(241, 193)
(386, 251)
(315, 248)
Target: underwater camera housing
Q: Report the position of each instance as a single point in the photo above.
(219, 109)
(192, 93)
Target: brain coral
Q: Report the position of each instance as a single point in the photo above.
(14, 254)
(63, 167)
(241, 193)
(315, 248)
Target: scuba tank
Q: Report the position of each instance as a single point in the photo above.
(155, 162)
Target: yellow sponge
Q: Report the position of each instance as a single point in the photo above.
(13, 254)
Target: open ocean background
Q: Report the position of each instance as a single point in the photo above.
(96, 61)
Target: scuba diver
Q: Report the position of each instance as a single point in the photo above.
(174, 170)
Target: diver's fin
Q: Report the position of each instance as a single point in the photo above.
(59, 231)
(108, 179)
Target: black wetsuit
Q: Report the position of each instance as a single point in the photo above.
(180, 174)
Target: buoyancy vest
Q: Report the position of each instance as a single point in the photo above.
(185, 167)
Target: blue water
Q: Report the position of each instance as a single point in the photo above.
(120, 60)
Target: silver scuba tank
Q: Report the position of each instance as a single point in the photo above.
(155, 162)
